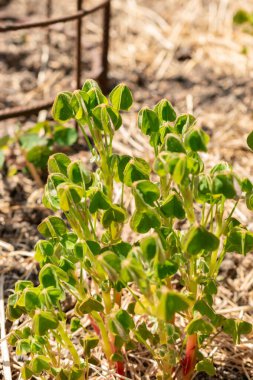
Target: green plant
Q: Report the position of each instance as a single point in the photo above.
(38, 143)
(180, 233)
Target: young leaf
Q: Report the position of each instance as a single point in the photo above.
(89, 305)
(99, 201)
(173, 143)
(199, 239)
(39, 364)
(196, 140)
(106, 118)
(113, 214)
(44, 321)
(149, 247)
(148, 191)
(143, 221)
(135, 170)
(148, 121)
(165, 111)
(62, 110)
(89, 84)
(250, 140)
(96, 97)
(166, 269)
(239, 240)
(172, 206)
(183, 123)
(65, 136)
(58, 163)
(69, 194)
(224, 184)
(171, 303)
(206, 365)
(52, 226)
(121, 97)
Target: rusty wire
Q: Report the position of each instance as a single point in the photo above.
(102, 73)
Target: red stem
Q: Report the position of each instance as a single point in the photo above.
(189, 362)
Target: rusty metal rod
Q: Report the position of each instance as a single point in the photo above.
(24, 111)
(103, 80)
(47, 22)
(78, 46)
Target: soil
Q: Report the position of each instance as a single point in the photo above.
(186, 50)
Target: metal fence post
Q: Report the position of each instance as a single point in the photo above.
(103, 77)
(79, 47)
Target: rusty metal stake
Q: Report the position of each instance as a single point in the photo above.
(78, 46)
(103, 77)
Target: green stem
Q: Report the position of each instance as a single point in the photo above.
(104, 334)
(69, 344)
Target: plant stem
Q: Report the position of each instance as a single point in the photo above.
(69, 344)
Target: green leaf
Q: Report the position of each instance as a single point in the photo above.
(113, 214)
(241, 17)
(4, 141)
(148, 121)
(249, 200)
(171, 303)
(206, 365)
(148, 191)
(90, 343)
(31, 140)
(106, 118)
(31, 297)
(21, 285)
(166, 269)
(195, 164)
(183, 123)
(199, 325)
(203, 188)
(224, 184)
(69, 194)
(58, 163)
(38, 156)
(50, 197)
(75, 324)
(111, 263)
(96, 97)
(39, 364)
(198, 239)
(165, 111)
(235, 328)
(44, 321)
(143, 221)
(173, 143)
(62, 110)
(172, 207)
(149, 247)
(43, 249)
(136, 169)
(52, 226)
(250, 140)
(246, 185)
(121, 97)
(196, 140)
(78, 174)
(121, 324)
(89, 84)
(50, 274)
(239, 240)
(89, 305)
(26, 372)
(65, 136)
(80, 103)
(23, 347)
(99, 201)
(94, 247)
(13, 310)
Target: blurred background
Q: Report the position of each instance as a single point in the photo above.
(196, 53)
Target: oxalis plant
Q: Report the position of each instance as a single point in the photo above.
(180, 224)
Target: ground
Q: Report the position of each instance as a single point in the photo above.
(186, 50)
